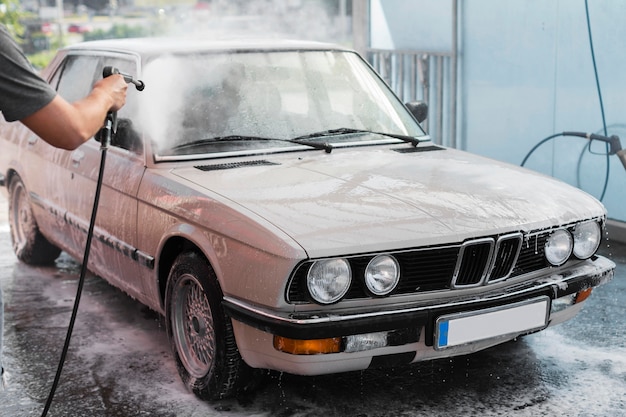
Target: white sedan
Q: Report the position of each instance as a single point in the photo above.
(284, 210)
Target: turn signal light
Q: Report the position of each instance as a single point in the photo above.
(582, 295)
(307, 347)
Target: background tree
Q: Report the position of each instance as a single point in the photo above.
(10, 16)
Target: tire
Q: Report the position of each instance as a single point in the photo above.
(200, 334)
(29, 245)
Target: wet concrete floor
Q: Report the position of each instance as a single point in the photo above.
(120, 364)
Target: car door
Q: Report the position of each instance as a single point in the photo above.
(113, 254)
(41, 168)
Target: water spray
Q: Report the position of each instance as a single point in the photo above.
(104, 137)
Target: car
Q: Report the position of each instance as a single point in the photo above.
(80, 28)
(284, 210)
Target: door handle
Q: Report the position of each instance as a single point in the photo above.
(77, 157)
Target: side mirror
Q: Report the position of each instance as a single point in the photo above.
(419, 109)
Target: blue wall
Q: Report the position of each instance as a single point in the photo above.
(526, 72)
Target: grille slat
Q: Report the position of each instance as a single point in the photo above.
(531, 255)
(473, 263)
(507, 251)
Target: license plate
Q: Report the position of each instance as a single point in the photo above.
(463, 328)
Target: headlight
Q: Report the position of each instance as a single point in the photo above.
(382, 275)
(329, 280)
(586, 239)
(559, 247)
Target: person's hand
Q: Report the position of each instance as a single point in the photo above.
(115, 87)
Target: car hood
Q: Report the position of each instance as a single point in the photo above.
(362, 199)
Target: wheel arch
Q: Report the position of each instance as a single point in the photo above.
(30, 245)
(11, 174)
(170, 250)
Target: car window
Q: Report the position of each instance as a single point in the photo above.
(128, 135)
(77, 77)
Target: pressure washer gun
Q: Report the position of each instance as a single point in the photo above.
(615, 146)
(107, 71)
(110, 123)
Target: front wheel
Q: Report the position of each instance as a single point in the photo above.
(29, 244)
(200, 334)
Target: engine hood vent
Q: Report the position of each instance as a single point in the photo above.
(232, 165)
(420, 149)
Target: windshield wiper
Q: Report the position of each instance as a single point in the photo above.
(237, 138)
(209, 141)
(346, 130)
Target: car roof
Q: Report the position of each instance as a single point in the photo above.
(160, 46)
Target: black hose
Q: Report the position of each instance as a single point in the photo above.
(81, 281)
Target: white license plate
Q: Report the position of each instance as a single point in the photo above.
(463, 328)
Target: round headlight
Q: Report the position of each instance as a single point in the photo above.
(559, 247)
(586, 239)
(382, 275)
(329, 280)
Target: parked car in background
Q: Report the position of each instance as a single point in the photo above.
(283, 210)
(47, 28)
(79, 28)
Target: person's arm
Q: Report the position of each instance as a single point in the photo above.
(68, 125)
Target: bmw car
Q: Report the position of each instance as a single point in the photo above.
(283, 210)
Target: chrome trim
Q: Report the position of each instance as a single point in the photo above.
(144, 259)
(107, 239)
(520, 238)
(460, 259)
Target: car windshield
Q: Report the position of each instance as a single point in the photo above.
(264, 101)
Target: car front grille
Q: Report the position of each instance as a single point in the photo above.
(469, 264)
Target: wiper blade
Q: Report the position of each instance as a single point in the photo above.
(325, 146)
(346, 130)
(208, 141)
(237, 138)
(329, 132)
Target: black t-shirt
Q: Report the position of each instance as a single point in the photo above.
(22, 91)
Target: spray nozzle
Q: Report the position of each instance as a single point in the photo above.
(107, 71)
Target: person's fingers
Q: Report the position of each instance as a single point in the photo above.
(116, 88)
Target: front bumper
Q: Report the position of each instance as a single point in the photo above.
(316, 325)
(413, 327)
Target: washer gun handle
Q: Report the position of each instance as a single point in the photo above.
(621, 153)
(615, 146)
